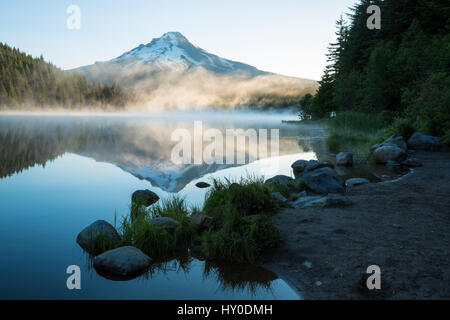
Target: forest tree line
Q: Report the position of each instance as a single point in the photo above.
(399, 73)
(31, 82)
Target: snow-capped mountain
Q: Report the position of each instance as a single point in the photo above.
(172, 73)
(173, 51)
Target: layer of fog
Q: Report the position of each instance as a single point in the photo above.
(198, 88)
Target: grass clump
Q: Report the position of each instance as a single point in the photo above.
(240, 238)
(242, 213)
(156, 240)
(99, 242)
(249, 196)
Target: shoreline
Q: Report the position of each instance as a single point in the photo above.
(402, 226)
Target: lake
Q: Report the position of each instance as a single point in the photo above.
(60, 173)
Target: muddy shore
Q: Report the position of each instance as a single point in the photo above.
(402, 226)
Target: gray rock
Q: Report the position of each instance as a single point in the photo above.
(97, 232)
(395, 140)
(301, 166)
(419, 141)
(203, 185)
(279, 197)
(412, 163)
(321, 182)
(374, 147)
(282, 180)
(393, 165)
(144, 197)
(389, 152)
(304, 201)
(202, 221)
(167, 223)
(123, 261)
(320, 201)
(344, 159)
(398, 141)
(356, 182)
(332, 173)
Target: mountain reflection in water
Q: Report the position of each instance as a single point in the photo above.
(140, 146)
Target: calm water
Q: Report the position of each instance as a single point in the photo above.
(58, 174)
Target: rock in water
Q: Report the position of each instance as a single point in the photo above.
(144, 197)
(322, 183)
(98, 234)
(355, 182)
(419, 141)
(167, 223)
(203, 185)
(282, 180)
(123, 261)
(344, 159)
(389, 152)
(202, 221)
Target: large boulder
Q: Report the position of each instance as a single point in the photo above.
(321, 182)
(344, 159)
(282, 180)
(389, 152)
(419, 141)
(144, 197)
(301, 166)
(395, 140)
(97, 235)
(202, 221)
(167, 223)
(332, 173)
(123, 262)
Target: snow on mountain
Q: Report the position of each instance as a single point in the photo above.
(172, 51)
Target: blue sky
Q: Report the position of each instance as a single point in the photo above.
(289, 37)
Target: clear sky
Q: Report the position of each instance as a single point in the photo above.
(289, 37)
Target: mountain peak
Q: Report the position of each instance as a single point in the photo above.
(173, 35)
(173, 51)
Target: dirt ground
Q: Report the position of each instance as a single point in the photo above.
(401, 226)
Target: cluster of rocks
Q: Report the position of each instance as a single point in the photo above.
(325, 186)
(395, 151)
(127, 261)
